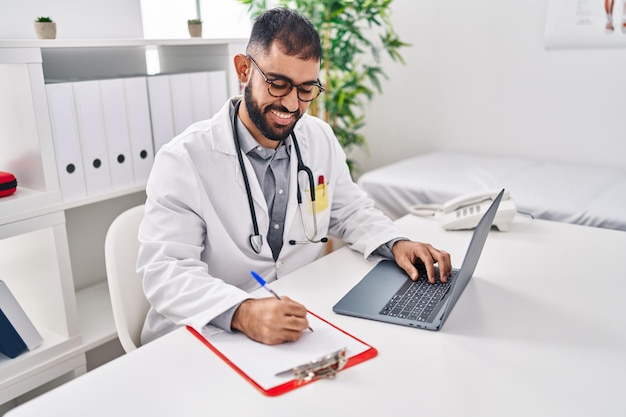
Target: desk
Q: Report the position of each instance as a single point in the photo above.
(539, 331)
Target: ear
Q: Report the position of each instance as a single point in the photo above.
(242, 67)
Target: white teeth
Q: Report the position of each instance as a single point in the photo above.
(281, 115)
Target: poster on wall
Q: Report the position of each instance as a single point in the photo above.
(585, 24)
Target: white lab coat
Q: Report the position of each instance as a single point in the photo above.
(195, 257)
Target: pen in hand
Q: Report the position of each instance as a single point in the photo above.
(263, 284)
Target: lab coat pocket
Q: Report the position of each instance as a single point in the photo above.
(321, 198)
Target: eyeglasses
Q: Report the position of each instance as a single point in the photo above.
(280, 87)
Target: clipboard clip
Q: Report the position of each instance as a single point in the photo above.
(325, 367)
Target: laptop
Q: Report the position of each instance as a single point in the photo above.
(387, 294)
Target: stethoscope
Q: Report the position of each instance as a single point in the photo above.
(256, 240)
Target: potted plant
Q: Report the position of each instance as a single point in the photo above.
(195, 28)
(354, 34)
(45, 28)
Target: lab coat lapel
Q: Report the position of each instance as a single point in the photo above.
(257, 193)
(224, 141)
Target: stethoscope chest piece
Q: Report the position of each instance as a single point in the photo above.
(256, 241)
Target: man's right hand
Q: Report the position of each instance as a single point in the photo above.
(271, 321)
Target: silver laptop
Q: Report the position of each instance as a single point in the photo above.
(387, 294)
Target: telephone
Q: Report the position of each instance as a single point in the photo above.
(465, 211)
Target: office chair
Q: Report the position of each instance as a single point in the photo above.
(129, 303)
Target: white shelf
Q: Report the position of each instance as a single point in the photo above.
(97, 43)
(53, 349)
(95, 316)
(50, 247)
(102, 197)
(26, 203)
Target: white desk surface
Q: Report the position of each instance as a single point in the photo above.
(539, 331)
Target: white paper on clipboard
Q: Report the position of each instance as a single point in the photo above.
(262, 363)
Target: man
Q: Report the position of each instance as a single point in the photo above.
(222, 198)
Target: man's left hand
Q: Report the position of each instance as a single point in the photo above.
(408, 253)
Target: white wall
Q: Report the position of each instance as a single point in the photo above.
(115, 19)
(167, 19)
(86, 19)
(478, 77)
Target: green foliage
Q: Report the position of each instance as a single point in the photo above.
(354, 34)
(43, 19)
(194, 22)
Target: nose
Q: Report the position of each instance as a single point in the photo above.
(291, 101)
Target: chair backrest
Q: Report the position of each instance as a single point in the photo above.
(129, 303)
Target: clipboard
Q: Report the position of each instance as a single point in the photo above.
(277, 369)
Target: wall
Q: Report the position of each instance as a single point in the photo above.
(477, 77)
(85, 19)
(100, 19)
(167, 19)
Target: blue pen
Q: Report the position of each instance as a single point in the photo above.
(261, 281)
(263, 284)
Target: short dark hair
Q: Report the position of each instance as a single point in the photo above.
(294, 34)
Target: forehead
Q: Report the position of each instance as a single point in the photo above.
(276, 63)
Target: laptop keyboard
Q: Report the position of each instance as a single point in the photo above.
(415, 300)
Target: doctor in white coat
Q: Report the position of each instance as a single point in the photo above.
(212, 183)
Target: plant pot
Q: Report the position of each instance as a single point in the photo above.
(195, 30)
(46, 30)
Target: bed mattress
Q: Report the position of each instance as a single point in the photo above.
(572, 193)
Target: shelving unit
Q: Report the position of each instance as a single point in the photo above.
(51, 251)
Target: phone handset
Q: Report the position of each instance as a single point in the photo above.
(468, 200)
(464, 212)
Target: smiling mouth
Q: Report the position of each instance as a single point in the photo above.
(281, 115)
(282, 118)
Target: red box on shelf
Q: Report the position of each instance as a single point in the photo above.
(8, 183)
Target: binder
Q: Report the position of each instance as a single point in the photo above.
(191, 98)
(159, 95)
(140, 130)
(117, 133)
(218, 88)
(182, 110)
(200, 96)
(275, 370)
(90, 120)
(18, 332)
(69, 159)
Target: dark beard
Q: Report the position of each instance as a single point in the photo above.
(260, 121)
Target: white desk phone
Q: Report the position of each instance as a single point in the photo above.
(465, 211)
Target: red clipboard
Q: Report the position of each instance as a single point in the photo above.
(368, 353)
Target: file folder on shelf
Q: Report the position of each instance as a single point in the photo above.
(159, 94)
(182, 110)
(275, 370)
(218, 86)
(66, 141)
(201, 96)
(194, 98)
(140, 130)
(18, 332)
(90, 120)
(117, 133)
